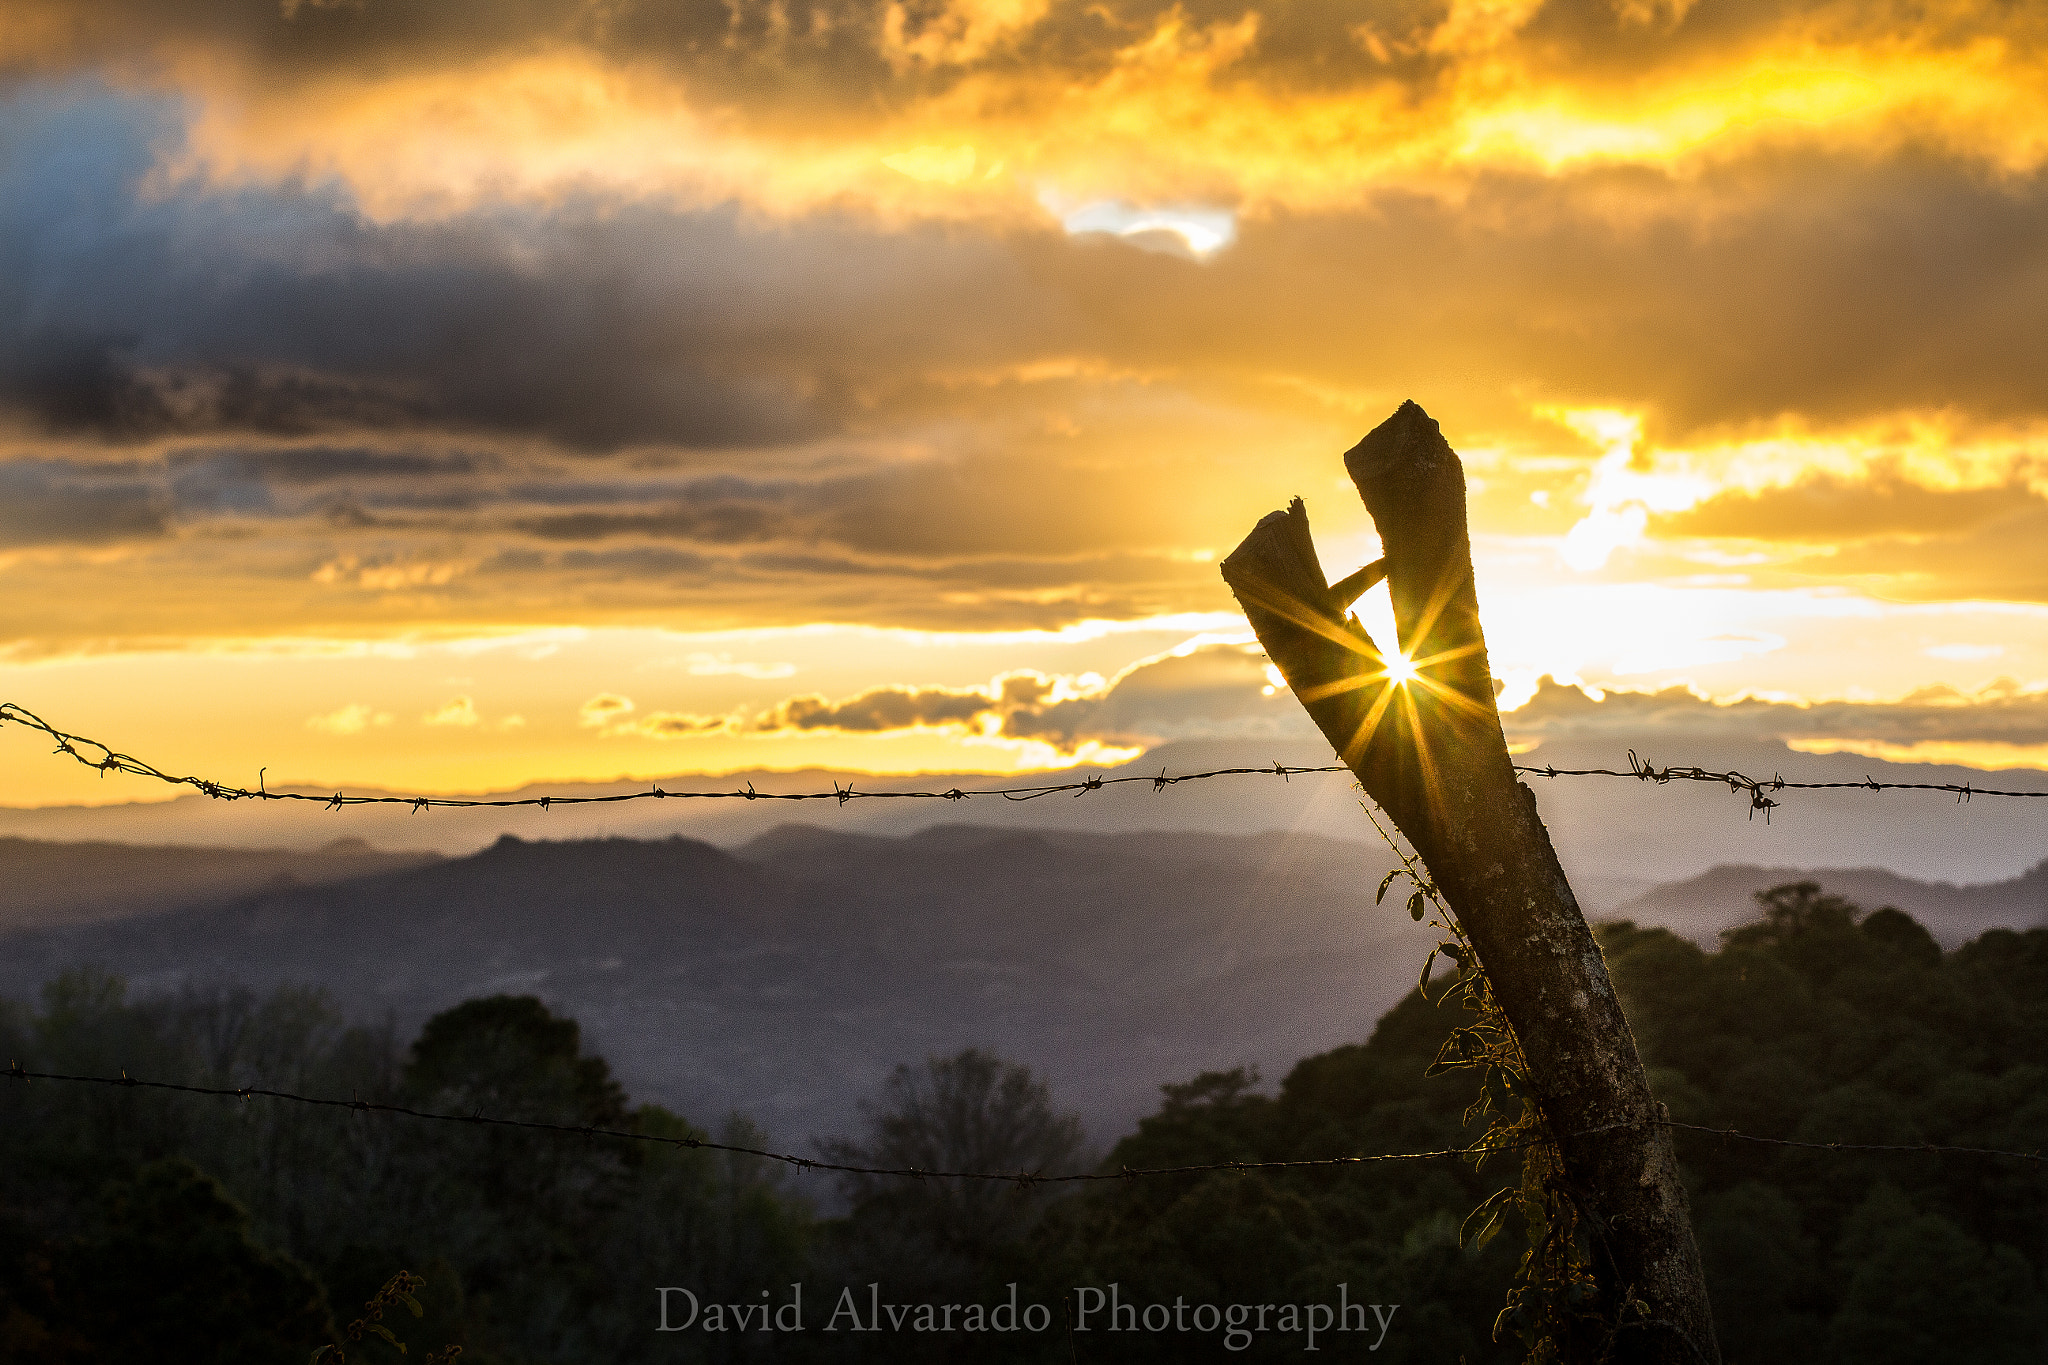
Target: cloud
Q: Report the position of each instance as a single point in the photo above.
(606, 708)
(725, 524)
(49, 503)
(883, 708)
(1207, 691)
(708, 665)
(2002, 714)
(1791, 278)
(611, 715)
(678, 725)
(460, 713)
(619, 400)
(1828, 509)
(287, 314)
(283, 313)
(1263, 97)
(351, 719)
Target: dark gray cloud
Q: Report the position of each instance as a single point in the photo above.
(43, 503)
(719, 524)
(328, 464)
(882, 708)
(1833, 289)
(125, 318)
(344, 483)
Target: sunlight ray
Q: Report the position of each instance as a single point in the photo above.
(1425, 762)
(1453, 698)
(1300, 613)
(1440, 596)
(1362, 737)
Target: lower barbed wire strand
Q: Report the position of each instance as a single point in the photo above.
(1477, 1150)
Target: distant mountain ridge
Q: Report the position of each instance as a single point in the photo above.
(1702, 907)
(44, 883)
(787, 977)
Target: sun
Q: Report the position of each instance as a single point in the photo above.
(1399, 669)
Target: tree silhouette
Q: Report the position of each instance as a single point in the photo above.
(972, 1111)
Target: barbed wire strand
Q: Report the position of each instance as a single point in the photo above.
(124, 1081)
(1757, 789)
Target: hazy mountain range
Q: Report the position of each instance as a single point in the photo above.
(1701, 907)
(786, 975)
(44, 884)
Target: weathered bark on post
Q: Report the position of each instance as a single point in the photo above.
(1431, 753)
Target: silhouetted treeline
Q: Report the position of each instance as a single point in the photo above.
(213, 1230)
(180, 1228)
(1815, 1022)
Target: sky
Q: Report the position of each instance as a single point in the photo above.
(448, 397)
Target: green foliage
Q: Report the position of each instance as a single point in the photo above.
(1816, 1022)
(1823, 1024)
(533, 1248)
(945, 1241)
(169, 1271)
(508, 1056)
(401, 1290)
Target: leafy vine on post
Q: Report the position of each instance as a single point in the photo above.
(1418, 727)
(400, 1290)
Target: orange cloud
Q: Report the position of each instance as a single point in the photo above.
(979, 104)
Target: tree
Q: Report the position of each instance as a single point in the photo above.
(1921, 1291)
(510, 1056)
(177, 1277)
(969, 1112)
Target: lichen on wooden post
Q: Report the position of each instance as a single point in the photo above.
(1417, 724)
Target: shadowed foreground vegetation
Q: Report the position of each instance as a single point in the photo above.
(178, 1228)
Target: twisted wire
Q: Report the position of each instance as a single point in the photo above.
(1758, 790)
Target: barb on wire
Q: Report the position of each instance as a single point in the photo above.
(1756, 789)
(124, 1081)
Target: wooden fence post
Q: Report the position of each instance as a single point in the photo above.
(1430, 751)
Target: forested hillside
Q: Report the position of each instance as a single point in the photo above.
(241, 1231)
(786, 977)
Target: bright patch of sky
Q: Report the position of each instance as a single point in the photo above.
(1194, 231)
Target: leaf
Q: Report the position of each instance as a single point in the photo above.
(1385, 882)
(1490, 1216)
(1415, 906)
(414, 1304)
(385, 1332)
(1427, 963)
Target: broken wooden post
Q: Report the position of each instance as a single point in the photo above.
(1429, 749)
